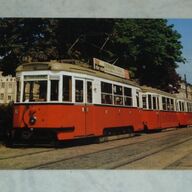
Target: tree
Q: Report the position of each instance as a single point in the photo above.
(25, 38)
(149, 48)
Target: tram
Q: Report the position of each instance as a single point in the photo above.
(69, 100)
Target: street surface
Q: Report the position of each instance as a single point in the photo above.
(169, 149)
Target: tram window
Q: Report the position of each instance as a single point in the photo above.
(89, 92)
(157, 102)
(106, 87)
(79, 91)
(180, 106)
(35, 91)
(168, 104)
(54, 90)
(118, 92)
(137, 98)
(106, 93)
(172, 105)
(154, 103)
(164, 103)
(18, 90)
(67, 88)
(128, 96)
(149, 102)
(144, 100)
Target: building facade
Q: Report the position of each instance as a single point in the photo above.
(185, 91)
(7, 88)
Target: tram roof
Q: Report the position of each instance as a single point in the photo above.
(157, 91)
(76, 67)
(79, 67)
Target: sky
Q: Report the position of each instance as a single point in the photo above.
(184, 27)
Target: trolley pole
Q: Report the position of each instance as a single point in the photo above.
(185, 79)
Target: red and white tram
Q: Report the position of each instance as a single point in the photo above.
(70, 100)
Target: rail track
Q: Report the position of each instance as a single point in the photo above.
(109, 155)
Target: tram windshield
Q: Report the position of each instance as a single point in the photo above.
(35, 91)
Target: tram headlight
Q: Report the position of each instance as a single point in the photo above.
(32, 120)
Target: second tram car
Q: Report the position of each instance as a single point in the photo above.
(69, 100)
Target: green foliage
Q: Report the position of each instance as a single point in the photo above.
(149, 48)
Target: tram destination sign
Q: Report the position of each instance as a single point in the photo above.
(105, 67)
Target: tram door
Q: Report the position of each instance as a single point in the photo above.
(84, 101)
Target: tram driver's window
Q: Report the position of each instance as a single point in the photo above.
(35, 91)
(78, 91)
(67, 88)
(54, 90)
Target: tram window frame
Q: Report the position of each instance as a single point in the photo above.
(106, 93)
(128, 100)
(67, 88)
(117, 94)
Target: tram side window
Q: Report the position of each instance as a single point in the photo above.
(164, 103)
(168, 104)
(149, 101)
(79, 91)
(35, 91)
(67, 88)
(137, 98)
(144, 101)
(154, 103)
(54, 90)
(106, 93)
(171, 105)
(128, 96)
(18, 90)
(89, 92)
(118, 95)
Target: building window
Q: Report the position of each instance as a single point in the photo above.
(106, 93)
(3, 85)
(9, 97)
(2, 96)
(67, 88)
